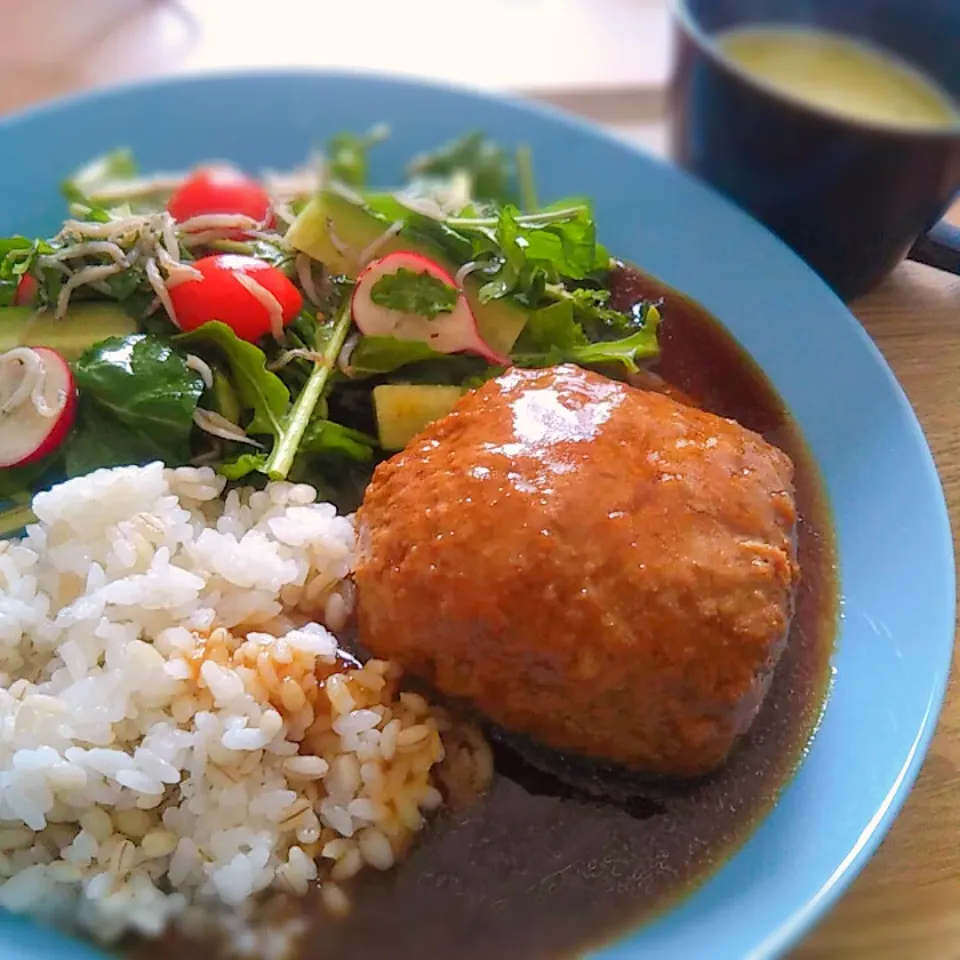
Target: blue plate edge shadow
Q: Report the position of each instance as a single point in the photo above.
(788, 932)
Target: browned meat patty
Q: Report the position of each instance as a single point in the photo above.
(602, 568)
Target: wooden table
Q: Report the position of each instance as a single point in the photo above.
(906, 904)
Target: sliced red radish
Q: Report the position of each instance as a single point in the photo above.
(38, 404)
(453, 332)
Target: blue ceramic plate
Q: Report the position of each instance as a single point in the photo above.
(897, 573)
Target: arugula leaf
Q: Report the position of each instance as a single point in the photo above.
(413, 292)
(535, 250)
(258, 389)
(85, 182)
(551, 328)
(346, 155)
(641, 345)
(435, 235)
(137, 399)
(599, 321)
(490, 168)
(554, 334)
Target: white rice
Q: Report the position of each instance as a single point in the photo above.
(177, 723)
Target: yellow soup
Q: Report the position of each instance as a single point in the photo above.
(840, 75)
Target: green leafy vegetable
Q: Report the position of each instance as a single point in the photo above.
(137, 399)
(524, 252)
(641, 345)
(599, 321)
(374, 355)
(84, 184)
(559, 244)
(490, 169)
(553, 336)
(424, 231)
(322, 438)
(18, 256)
(330, 438)
(347, 155)
(551, 328)
(413, 292)
(288, 441)
(243, 465)
(12, 250)
(17, 483)
(259, 390)
(414, 362)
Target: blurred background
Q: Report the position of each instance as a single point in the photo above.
(605, 59)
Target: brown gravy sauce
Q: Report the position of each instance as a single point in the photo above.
(539, 870)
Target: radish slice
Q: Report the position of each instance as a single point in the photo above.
(454, 332)
(38, 404)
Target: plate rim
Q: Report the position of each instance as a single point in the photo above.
(806, 915)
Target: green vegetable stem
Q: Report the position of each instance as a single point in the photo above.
(285, 449)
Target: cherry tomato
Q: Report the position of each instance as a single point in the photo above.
(220, 190)
(221, 296)
(26, 291)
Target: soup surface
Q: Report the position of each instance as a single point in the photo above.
(840, 75)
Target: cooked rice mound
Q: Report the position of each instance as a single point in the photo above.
(178, 724)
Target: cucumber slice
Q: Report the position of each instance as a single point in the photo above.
(404, 409)
(84, 325)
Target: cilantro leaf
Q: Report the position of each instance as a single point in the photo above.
(411, 292)
(491, 169)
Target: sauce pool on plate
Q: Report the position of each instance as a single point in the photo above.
(560, 858)
(840, 75)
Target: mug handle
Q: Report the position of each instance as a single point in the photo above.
(939, 247)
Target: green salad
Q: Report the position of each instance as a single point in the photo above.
(296, 326)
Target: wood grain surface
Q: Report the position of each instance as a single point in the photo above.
(906, 903)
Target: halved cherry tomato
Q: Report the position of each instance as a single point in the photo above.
(221, 296)
(26, 291)
(220, 190)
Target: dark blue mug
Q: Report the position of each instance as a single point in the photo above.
(850, 197)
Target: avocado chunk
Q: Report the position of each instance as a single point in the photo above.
(332, 230)
(404, 409)
(84, 325)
